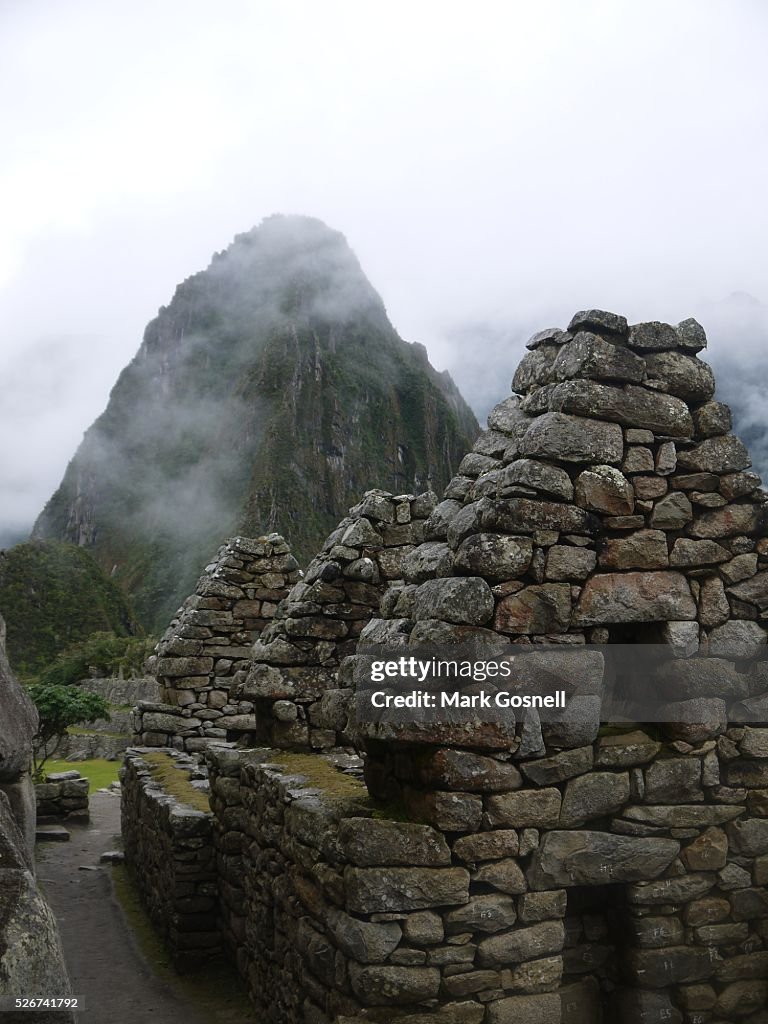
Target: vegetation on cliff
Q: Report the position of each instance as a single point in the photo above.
(270, 394)
(53, 595)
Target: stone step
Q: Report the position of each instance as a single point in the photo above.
(51, 834)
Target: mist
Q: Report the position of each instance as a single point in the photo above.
(494, 166)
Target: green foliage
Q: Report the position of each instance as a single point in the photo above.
(103, 653)
(58, 708)
(52, 595)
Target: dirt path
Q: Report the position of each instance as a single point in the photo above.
(105, 964)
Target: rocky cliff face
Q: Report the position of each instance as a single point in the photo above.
(270, 393)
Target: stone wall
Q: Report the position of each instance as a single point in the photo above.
(293, 681)
(169, 853)
(205, 652)
(554, 891)
(63, 795)
(536, 872)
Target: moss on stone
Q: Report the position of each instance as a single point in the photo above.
(175, 781)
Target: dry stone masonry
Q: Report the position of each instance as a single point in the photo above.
(63, 795)
(205, 652)
(293, 681)
(532, 871)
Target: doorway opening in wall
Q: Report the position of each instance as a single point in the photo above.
(596, 932)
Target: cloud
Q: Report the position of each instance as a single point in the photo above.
(494, 166)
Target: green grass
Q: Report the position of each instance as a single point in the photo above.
(98, 771)
(215, 990)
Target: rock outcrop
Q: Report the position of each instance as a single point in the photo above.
(31, 960)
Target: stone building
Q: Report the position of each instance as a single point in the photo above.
(534, 869)
(206, 650)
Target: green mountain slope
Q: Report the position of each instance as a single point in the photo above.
(53, 595)
(269, 394)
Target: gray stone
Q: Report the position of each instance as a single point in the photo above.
(427, 561)
(693, 678)
(494, 556)
(377, 890)
(425, 927)
(605, 489)
(694, 553)
(631, 406)
(539, 476)
(486, 913)
(682, 815)
(528, 1009)
(572, 439)
(638, 460)
(754, 591)
(542, 906)
(368, 842)
(690, 335)
(748, 837)
(672, 512)
(730, 521)
(738, 485)
(364, 941)
(673, 779)
(538, 808)
(449, 812)
(393, 986)
(487, 846)
(696, 720)
(18, 723)
(436, 526)
(712, 419)
(549, 336)
(656, 932)
(754, 742)
(725, 454)
(504, 875)
(464, 770)
(737, 638)
(507, 416)
(598, 320)
(589, 355)
(598, 858)
(544, 608)
(740, 568)
(569, 563)
(625, 750)
(666, 459)
(464, 600)
(713, 604)
(549, 771)
(652, 336)
(523, 515)
(521, 944)
(706, 853)
(534, 369)
(645, 549)
(634, 597)
(665, 891)
(673, 965)
(595, 795)
(684, 376)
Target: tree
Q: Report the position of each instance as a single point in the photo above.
(58, 708)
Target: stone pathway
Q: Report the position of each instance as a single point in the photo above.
(105, 964)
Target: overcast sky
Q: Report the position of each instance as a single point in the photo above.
(491, 163)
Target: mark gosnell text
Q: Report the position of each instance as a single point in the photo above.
(455, 699)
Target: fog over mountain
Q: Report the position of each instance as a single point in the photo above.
(494, 166)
